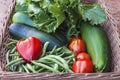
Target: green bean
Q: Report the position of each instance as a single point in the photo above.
(13, 40)
(52, 60)
(59, 49)
(70, 62)
(62, 61)
(44, 49)
(56, 66)
(10, 43)
(67, 51)
(53, 50)
(31, 68)
(10, 68)
(14, 54)
(20, 68)
(68, 57)
(13, 50)
(25, 69)
(7, 56)
(61, 54)
(41, 69)
(15, 57)
(35, 67)
(14, 68)
(13, 62)
(57, 60)
(44, 61)
(45, 66)
(19, 62)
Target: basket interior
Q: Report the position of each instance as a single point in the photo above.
(111, 28)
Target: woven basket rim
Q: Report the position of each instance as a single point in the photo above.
(108, 75)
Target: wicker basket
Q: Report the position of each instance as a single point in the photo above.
(111, 27)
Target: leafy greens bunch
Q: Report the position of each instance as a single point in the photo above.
(52, 15)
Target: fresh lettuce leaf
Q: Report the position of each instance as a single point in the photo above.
(50, 15)
(21, 6)
(93, 13)
(57, 12)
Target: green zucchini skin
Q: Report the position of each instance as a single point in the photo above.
(60, 36)
(97, 44)
(20, 31)
(22, 18)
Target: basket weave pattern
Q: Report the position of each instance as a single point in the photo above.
(6, 6)
(112, 28)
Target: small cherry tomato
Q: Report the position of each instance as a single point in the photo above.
(77, 45)
(82, 55)
(82, 66)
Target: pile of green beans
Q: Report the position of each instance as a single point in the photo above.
(56, 60)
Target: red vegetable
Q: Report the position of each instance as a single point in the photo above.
(82, 66)
(29, 49)
(77, 45)
(82, 55)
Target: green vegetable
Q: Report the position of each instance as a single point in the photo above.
(60, 36)
(60, 61)
(45, 66)
(13, 62)
(94, 13)
(49, 20)
(26, 31)
(22, 18)
(97, 46)
(56, 60)
(20, 6)
(50, 15)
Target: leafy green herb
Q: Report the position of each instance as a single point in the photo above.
(93, 13)
(20, 6)
(51, 15)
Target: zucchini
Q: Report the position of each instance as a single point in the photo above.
(22, 18)
(60, 36)
(20, 31)
(97, 44)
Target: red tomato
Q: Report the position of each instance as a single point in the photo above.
(82, 55)
(82, 66)
(29, 49)
(77, 45)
